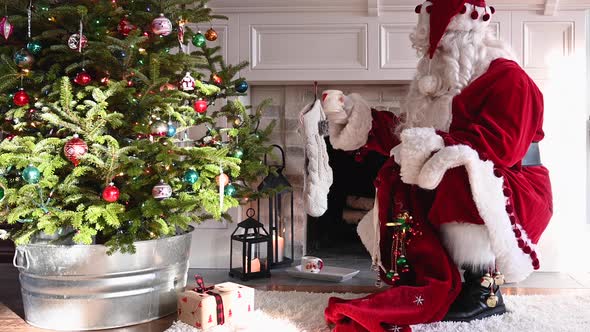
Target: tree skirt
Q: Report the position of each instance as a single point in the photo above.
(299, 311)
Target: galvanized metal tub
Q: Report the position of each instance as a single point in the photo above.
(80, 287)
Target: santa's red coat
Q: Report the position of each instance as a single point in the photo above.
(471, 174)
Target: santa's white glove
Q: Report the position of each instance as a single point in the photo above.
(349, 117)
(417, 146)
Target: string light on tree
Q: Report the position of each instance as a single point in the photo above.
(161, 26)
(111, 193)
(20, 98)
(31, 174)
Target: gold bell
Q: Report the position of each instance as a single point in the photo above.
(499, 278)
(492, 301)
(486, 281)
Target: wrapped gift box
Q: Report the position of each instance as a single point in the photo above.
(216, 305)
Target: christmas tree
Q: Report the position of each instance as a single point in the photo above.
(97, 97)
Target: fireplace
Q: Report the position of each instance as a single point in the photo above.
(352, 193)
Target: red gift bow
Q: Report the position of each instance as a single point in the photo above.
(201, 289)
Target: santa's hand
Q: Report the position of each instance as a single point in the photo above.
(416, 148)
(336, 106)
(350, 119)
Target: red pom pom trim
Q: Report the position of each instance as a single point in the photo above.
(534, 255)
(429, 9)
(493, 10)
(486, 17)
(497, 173)
(509, 208)
(520, 243)
(418, 9)
(463, 10)
(474, 14)
(536, 264)
(507, 192)
(513, 220)
(518, 233)
(527, 250)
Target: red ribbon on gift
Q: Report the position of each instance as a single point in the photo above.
(207, 290)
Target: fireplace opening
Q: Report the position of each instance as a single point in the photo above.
(351, 196)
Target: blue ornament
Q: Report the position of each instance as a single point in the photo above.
(31, 174)
(34, 47)
(229, 190)
(171, 130)
(191, 176)
(23, 59)
(241, 86)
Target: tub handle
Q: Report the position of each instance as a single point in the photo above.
(23, 252)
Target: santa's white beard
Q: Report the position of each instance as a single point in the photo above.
(460, 58)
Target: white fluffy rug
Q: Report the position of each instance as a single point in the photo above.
(298, 312)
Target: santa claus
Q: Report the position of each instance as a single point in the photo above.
(464, 187)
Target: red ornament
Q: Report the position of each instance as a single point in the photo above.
(83, 78)
(125, 27)
(111, 193)
(200, 106)
(215, 78)
(21, 98)
(74, 149)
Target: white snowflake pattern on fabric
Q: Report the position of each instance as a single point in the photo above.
(419, 300)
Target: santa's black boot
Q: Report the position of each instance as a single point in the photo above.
(476, 301)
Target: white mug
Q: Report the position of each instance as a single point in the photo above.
(311, 264)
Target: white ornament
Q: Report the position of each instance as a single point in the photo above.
(161, 25)
(3, 234)
(187, 83)
(419, 300)
(162, 190)
(75, 40)
(428, 84)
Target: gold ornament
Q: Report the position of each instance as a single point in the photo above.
(492, 301)
(486, 281)
(211, 35)
(499, 279)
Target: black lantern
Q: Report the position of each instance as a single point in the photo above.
(256, 246)
(279, 214)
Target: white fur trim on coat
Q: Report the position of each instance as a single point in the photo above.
(416, 147)
(368, 230)
(354, 134)
(476, 252)
(488, 195)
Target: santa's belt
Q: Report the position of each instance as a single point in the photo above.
(533, 156)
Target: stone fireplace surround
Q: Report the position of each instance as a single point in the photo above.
(287, 102)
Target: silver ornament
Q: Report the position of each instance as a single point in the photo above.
(162, 190)
(159, 128)
(161, 26)
(75, 40)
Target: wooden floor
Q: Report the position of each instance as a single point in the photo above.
(11, 309)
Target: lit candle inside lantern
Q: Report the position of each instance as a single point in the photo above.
(281, 249)
(255, 265)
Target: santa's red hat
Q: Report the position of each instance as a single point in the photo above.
(475, 14)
